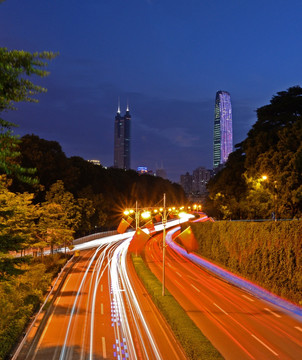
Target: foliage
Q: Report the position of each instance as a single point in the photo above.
(59, 216)
(109, 190)
(269, 253)
(194, 343)
(15, 68)
(21, 295)
(17, 220)
(273, 147)
(15, 86)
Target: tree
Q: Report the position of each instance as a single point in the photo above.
(272, 148)
(58, 195)
(87, 211)
(53, 228)
(48, 158)
(17, 220)
(15, 68)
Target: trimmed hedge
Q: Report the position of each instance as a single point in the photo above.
(268, 253)
(194, 343)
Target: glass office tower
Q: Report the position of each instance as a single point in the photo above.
(223, 129)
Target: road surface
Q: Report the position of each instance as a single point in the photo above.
(238, 324)
(97, 314)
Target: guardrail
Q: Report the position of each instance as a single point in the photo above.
(93, 237)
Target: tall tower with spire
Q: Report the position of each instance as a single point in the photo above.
(122, 139)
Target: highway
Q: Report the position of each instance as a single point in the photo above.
(100, 310)
(97, 312)
(240, 325)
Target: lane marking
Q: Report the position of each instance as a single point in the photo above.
(191, 277)
(179, 284)
(250, 299)
(272, 312)
(102, 309)
(194, 287)
(221, 309)
(42, 335)
(178, 274)
(171, 266)
(298, 328)
(101, 287)
(261, 342)
(104, 348)
(64, 286)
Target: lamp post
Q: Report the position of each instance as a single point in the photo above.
(275, 199)
(136, 216)
(164, 221)
(146, 213)
(265, 177)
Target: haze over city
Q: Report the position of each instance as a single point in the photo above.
(167, 58)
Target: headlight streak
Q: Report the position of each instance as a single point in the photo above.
(235, 279)
(134, 305)
(122, 330)
(104, 244)
(114, 250)
(63, 350)
(95, 280)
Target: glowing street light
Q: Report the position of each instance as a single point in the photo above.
(146, 215)
(265, 177)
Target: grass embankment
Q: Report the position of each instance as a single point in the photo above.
(194, 343)
(268, 253)
(21, 295)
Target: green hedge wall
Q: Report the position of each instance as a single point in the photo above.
(268, 253)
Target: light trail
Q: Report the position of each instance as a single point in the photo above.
(96, 311)
(235, 279)
(111, 255)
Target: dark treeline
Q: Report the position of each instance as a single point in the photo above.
(263, 176)
(108, 190)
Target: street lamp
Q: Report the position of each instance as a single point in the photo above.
(164, 221)
(265, 177)
(145, 213)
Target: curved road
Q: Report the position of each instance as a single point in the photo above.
(97, 314)
(238, 324)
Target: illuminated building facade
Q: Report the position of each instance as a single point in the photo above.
(223, 129)
(122, 139)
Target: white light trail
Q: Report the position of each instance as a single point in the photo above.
(111, 253)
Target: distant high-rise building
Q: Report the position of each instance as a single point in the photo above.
(186, 182)
(200, 178)
(122, 139)
(161, 173)
(223, 129)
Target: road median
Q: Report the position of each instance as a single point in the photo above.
(194, 343)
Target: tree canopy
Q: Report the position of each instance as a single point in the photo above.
(16, 66)
(263, 177)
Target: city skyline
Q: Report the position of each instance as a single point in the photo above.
(169, 61)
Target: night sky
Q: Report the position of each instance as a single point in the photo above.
(167, 57)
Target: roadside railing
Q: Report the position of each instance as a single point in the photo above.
(95, 236)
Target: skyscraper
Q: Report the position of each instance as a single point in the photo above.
(122, 139)
(223, 130)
